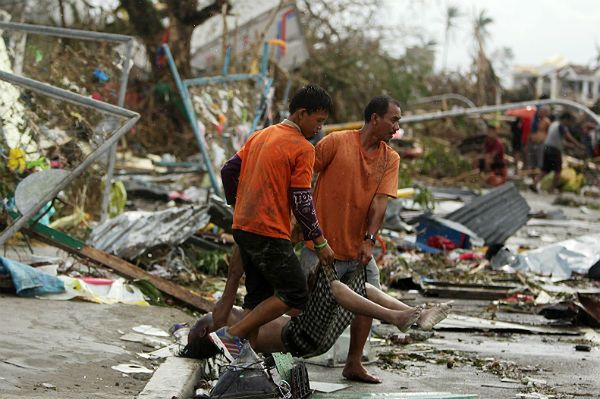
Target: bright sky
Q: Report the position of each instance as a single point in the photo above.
(535, 30)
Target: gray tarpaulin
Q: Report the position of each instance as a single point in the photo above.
(131, 233)
(562, 258)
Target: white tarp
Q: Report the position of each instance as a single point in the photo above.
(562, 258)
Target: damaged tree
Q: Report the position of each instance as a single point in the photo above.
(184, 16)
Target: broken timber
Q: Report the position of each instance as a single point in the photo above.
(71, 245)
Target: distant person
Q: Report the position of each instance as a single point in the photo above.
(558, 137)
(493, 163)
(589, 139)
(516, 129)
(535, 150)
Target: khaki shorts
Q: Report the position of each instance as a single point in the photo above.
(344, 268)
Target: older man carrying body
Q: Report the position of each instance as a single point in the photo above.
(357, 173)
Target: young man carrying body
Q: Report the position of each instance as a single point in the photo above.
(357, 173)
(269, 177)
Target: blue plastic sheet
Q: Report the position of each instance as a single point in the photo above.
(29, 281)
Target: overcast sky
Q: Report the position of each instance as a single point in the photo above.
(535, 30)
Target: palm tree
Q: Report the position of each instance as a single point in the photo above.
(483, 67)
(452, 14)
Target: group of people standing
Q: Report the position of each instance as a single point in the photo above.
(271, 178)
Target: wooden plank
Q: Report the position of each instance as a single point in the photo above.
(129, 270)
(465, 292)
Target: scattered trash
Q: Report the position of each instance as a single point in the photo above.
(435, 234)
(327, 387)
(99, 291)
(145, 340)
(149, 330)
(47, 385)
(583, 348)
(131, 368)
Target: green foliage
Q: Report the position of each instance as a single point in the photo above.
(442, 161)
(212, 263)
(406, 173)
(424, 198)
(349, 61)
(155, 297)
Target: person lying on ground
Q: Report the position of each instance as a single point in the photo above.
(289, 334)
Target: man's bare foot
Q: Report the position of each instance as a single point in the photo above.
(430, 317)
(360, 374)
(403, 319)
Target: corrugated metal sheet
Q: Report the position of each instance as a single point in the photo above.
(496, 215)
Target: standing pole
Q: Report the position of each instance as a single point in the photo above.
(112, 152)
(189, 109)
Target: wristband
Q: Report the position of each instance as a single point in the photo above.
(320, 246)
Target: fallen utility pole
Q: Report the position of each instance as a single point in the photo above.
(63, 241)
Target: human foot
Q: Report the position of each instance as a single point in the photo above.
(360, 374)
(403, 319)
(430, 317)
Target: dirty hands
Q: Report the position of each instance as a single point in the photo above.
(324, 251)
(365, 252)
(326, 256)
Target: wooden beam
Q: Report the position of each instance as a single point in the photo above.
(130, 270)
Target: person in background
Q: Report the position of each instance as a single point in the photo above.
(493, 164)
(535, 151)
(558, 138)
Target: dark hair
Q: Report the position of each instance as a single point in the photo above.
(378, 105)
(313, 98)
(199, 348)
(566, 116)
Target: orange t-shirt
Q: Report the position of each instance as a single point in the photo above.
(274, 160)
(347, 182)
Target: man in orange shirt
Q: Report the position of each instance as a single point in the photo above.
(269, 177)
(357, 173)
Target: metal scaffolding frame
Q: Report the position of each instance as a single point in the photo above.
(92, 36)
(183, 86)
(74, 98)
